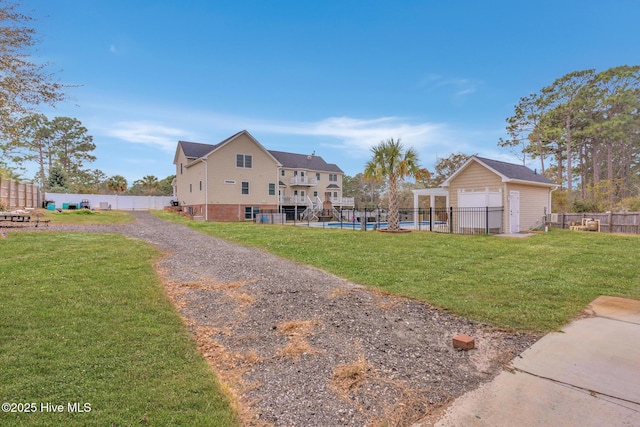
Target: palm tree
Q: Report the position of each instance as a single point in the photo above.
(150, 183)
(117, 183)
(392, 163)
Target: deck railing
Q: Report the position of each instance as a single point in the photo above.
(303, 180)
(303, 200)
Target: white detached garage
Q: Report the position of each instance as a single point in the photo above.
(517, 197)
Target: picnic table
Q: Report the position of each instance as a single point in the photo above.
(21, 217)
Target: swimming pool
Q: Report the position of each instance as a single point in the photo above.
(371, 225)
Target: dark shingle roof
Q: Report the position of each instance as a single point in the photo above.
(303, 161)
(195, 150)
(515, 172)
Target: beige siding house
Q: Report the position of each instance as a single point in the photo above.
(306, 182)
(523, 195)
(237, 178)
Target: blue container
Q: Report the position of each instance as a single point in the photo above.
(51, 206)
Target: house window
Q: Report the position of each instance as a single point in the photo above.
(244, 161)
(318, 176)
(190, 188)
(282, 172)
(200, 185)
(180, 168)
(315, 194)
(333, 177)
(250, 212)
(335, 194)
(272, 189)
(245, 187)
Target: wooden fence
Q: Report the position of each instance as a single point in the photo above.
(18, 195)
(610, 222)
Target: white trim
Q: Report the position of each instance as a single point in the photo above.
(514, 228)
(432, 193)
(503, 177)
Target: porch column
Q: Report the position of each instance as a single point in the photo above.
(415, 210)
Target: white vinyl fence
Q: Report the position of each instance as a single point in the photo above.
(108, 201)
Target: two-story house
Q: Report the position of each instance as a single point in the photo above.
(305, 182)
(237, 178)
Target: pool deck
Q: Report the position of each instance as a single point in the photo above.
(424, 226)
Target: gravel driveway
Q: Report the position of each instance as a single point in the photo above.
(300, 347)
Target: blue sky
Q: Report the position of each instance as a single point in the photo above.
(334, 77)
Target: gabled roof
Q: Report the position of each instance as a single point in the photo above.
(509, 172)
(196, 150)
(303, 161)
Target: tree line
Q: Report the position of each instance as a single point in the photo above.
(59, 148)
(582, 131)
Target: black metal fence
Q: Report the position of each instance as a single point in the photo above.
(481, 220)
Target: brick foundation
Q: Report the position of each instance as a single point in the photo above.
(225, 213)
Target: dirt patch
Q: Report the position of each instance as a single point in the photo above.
(348, 377)
(297, 331)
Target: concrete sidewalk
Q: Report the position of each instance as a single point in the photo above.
(586, 375)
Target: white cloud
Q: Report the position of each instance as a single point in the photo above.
(357, 136)
(465, 91)
(162, 127)
(460, 86)
(147, 133)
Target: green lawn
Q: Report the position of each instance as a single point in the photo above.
(85, 216)
(535, 284)
(84, 320)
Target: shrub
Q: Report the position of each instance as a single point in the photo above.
(584, 205)
(631, 204)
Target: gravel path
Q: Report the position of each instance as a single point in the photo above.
(300, 347)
